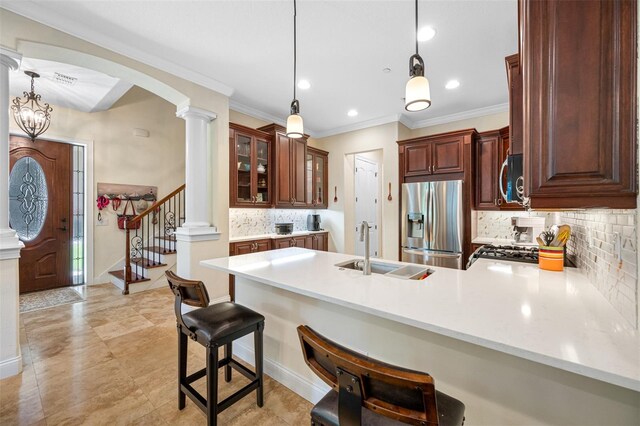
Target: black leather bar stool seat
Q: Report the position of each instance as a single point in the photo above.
(373, 393)
(218, 321)
(214, 327)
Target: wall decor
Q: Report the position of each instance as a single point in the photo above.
(119, 191)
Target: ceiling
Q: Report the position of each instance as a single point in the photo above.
(244, 48)
(68, 86)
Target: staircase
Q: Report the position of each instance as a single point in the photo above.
(150, 245)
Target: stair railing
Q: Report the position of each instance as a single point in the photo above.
(150, 235)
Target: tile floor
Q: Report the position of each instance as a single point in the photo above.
(112, 360)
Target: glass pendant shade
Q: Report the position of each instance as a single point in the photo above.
(295, 128)
(417, 94)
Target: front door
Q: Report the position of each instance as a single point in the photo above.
(40, 211)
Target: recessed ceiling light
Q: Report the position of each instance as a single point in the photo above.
(304, 84)
(386, 70)
(426, 33)
(452, 84)
(352, 113)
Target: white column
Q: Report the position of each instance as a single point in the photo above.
(10, 245)
(197, 224)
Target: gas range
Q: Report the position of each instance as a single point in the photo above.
(511, 253)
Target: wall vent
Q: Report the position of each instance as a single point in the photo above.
(63, 79)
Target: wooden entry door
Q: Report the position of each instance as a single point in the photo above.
(40, 211)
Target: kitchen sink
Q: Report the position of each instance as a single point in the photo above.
(407, 272)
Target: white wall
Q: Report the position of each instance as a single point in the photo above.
(121, 157)
(336, 217)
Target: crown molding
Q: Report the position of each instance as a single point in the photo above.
(49, 17)
(255, 113)
(359, 126)
(464, 115)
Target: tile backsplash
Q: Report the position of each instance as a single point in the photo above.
(247, 222)
(592, 245)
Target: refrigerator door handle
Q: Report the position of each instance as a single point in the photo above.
(433, 254)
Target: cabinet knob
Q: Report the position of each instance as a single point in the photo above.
(429, 169)
(499, 201)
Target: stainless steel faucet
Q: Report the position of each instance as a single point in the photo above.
(364, 236)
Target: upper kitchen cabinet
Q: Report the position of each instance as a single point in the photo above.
(491, 149)
(290, 168)
(250, 167)
(434, 155)
(317, 178)
(579, 76)
(514, 82)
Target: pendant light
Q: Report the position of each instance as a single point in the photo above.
(417, 94)
(295, 128)
(30, 116)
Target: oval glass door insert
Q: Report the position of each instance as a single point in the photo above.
(28, 198)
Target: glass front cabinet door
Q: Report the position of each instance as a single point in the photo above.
(250, 167)
(317, 165)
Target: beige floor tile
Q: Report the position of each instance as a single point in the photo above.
(62, 393)
(114, 407)
(105, 316)
(191, 415)
(62, 365)
(288, 405)
(20, 402)
(258, 417)
(59, 342)
(141, 341)
(151, 419)
(122, 326)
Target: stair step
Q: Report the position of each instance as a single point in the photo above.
(136, 278)
(145, 263)
(160, 249)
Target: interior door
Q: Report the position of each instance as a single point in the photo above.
(366, 192)
(40, 211)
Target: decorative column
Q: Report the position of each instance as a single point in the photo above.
(10, 245)
(197, 161)
(195, 238)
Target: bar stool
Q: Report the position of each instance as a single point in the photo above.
(373, 393)
(214, 326)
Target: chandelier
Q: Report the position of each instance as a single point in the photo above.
(32, 117)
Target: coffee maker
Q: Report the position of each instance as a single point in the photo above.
(313, 222)
(526, 229)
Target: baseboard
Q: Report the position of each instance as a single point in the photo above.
(298, 384)
(220, 299)
(10, 367)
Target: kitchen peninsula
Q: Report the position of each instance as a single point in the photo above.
(516, 344)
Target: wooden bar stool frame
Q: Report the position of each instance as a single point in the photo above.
(352, 376)
(194, 293)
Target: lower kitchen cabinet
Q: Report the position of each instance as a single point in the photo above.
(318, 241)
(246, 247)
(285, 242)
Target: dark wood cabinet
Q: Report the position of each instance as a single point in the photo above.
(429, 155)
(246, 247)
(249, 168)
(290, 241)
(317, 178)
(290, 168)
(514, 82)
(318, 241)
(579, 95)
(491, 149)
(487, 170)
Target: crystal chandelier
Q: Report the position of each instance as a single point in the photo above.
(32, 117)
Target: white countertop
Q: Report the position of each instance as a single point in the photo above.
(274, 235)
(553, 318)
(501, 242)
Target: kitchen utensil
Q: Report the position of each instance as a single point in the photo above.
(562, 236)
(540, 241)
(389, 197)
(547, 237)
(335, 197)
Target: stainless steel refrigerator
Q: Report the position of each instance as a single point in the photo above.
(432, 223)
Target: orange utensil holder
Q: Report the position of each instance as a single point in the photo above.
(551, 258)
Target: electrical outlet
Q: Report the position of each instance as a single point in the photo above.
(103, 222)
(617, 246)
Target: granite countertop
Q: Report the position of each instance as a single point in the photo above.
(553, 318)
(274, 235)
